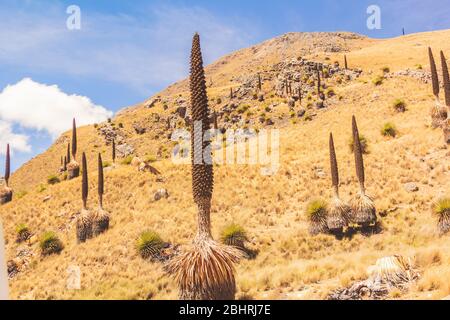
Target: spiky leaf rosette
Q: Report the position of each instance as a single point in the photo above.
(84, 226)
(333, 164)
(7, 165)
(100, 222)
(338, 215)
(100, 180)
(446, 78)
(84, 181)
(359, 162)
(74, 139)
(363, 210)
(441, 209)
(202, 170)
(316, 213)
(206, 271)
(434, 75)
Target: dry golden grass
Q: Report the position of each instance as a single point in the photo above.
(291, 264)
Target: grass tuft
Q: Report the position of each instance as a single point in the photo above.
(389, 130)
(149, 244)
(50, 243)
(234, 235)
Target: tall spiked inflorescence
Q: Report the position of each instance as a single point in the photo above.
(84, 220)
(438, 111)
(113, 151)
(213, 278)
(363, 208)
(100, 221)
(338, 211)
(434, 75)
(6, 193)
(345, 62)
(445, 111)
(73, 167)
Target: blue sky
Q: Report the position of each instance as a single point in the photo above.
(126, 51)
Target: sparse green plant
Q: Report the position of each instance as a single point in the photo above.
(23, 233)
(53, 179)
(399, 105)
(441, 209)
(50, 244)
(149, 245)
(316, 214)
(389, 130)
(378, 80)
(234, 235)
(127, 160)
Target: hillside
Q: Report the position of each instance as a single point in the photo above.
(291, 264)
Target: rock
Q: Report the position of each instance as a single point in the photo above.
(139, 128)
(124, 150)
(411, 187)
(160, 194)
(181, 111)
(152, 103)
(46, 198)
(301, 113)
(146, 167)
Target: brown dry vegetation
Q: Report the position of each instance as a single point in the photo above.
(291, 264)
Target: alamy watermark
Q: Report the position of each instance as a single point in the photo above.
(241, 146)
(73, 22)
(73, 281)
(374, 20)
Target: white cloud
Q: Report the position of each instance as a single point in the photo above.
(18, 142)
(41, 107)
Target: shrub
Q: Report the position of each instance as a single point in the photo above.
(442, 210)
(234, 235)
(389, 130)
(21, 194)
(149, 244)
(330, 92)
(23, 232)
(316, 214)
(53, 179)
(399, 105)
(106, 164)
(243, 108)
(378, 80)
(127, 160)
(419, 67)
(50, 243)
(363, 141)
(385, 69)
(41, 188)
(218, 100)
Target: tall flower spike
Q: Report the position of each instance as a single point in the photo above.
(445, 76)
(100, 181)
(434, 75)
(7, 165)
(345, 62)
(359, 163)
(202, 170)
(84, 181)
(333, 165)
(74, 139)
(114, 151)
(68, 153)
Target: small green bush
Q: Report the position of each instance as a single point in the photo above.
(234, 235)
(23, 232)
(50, 243)
(41, 188)
(127, 160)
(362, 140)
(106, 164)
(21, 194)
(316, 207)
(149, 244)
(53, 179)
(378, 81)
(442, 206)
(399, 105)
(389, 130)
